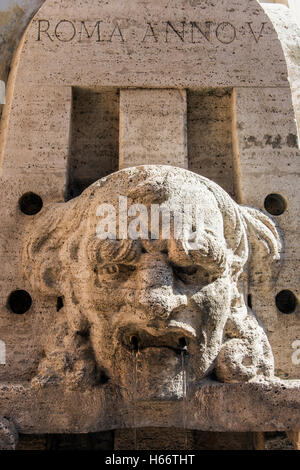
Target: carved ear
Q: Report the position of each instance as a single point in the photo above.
(264, 243)
(44, 239)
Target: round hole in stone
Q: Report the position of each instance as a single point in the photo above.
(59, 303)
(275, 204)
(286, 302)
(30, 203)
(19, 301)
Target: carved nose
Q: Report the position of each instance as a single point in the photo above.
(156, 288)
(160, 302)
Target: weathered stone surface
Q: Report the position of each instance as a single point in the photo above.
(14, 18)
(16, 14)
(75, 359)
(248, 407)
(292, 4)
(225, 60)
(288, 30)
(144, 38)
(210, 139)
(268, 161)
(153, 124)
(50, 114)
(182, 285)
(94, 137)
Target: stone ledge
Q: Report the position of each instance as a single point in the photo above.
(211, 406)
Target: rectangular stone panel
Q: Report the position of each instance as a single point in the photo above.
(94, 147)
(153, 128)
(209, 125)
(22, 333)
(199, 43)
(38, 136)
(268, 156)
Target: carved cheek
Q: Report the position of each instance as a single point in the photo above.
(108, 298)
(215, 298)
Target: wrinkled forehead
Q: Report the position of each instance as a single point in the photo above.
(180, 197)
(199, 202)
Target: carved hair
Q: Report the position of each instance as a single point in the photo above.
(250, 234)
(63, 230)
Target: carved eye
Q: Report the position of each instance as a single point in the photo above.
(192, 275)
(183, 273)
(109, 270)
(116, 269)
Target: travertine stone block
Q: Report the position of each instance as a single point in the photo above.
(155, 44)
(287, 26)
(210, 142)
(153, 127)
(269, 162)
(94, 139)
(38, 135)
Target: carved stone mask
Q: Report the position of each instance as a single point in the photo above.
(178, 312)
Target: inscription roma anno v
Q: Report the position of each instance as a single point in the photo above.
(192, 32)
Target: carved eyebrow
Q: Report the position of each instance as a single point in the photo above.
(211, 255)
(117, 251)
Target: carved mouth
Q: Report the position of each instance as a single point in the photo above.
(139, 340)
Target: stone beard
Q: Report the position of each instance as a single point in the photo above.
(155, 301)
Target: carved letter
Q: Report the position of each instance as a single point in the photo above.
(58, 35)
(260, 33)
(150, 33)
(138, 227)
(89, 36)
(106, 228)
(45, 30)
(221, 27)
(205, 34)
(117, 30)
(180, 35)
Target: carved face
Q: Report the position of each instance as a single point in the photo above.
(158, 296)
(161, 309)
